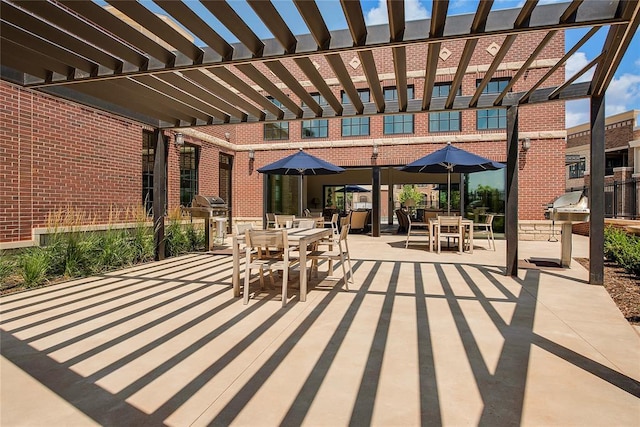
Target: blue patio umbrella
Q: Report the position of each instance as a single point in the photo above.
(451, 160)
(300, 164)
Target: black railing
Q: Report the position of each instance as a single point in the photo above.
(620, 198)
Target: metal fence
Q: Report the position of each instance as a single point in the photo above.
(620, 198)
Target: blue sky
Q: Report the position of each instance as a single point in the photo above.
(623, 93)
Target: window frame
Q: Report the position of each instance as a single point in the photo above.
(399, 124)
(437, 119)
(359, 123)
(490, 115)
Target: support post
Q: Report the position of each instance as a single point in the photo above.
(511, 217)
(375, 202)
(159, 194)
(596, 192)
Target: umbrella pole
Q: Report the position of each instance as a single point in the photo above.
(300, 197)
(448, 192)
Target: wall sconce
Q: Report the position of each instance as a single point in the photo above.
(375, 149)
(526, 144)
(179, 139)
(252, 154)
(227, 136)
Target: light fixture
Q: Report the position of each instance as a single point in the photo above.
(252, 154)
(375, 149)
(179, 139)
(526, 144)
(227, 136)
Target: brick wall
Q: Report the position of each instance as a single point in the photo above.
(57, 154)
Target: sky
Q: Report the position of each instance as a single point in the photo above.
(622, 95)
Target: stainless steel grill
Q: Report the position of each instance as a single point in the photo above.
(212, 209)
(571, 206)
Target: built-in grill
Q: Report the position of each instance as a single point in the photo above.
(569, 208)
(208, 206)
(214, 210)
(572, 206)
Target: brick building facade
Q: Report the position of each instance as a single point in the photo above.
(58, 154)
(622, 162)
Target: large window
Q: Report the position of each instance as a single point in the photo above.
(148, 159)
(316, 128)
(358, 126)
(496, 118)
(447, 121)
(188, 174)
(278, 130)
(401, 123)
(576, 170)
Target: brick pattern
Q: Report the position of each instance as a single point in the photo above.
(57, 154)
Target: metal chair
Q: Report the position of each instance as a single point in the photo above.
(487, 226)
(421, 228)
(339, 252)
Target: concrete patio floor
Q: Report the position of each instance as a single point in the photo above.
(419, 339)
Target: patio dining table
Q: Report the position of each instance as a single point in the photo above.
(468, 229)
(297, 237)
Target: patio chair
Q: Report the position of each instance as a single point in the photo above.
(281, 220)
(450, 227)
(418, 228)
(359, 220)
(307, 212)
(487, 227)
(271, 220)
(261, 242)
(306, 223)
(403, 223)
(339, 252)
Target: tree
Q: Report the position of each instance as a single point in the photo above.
(409, 192)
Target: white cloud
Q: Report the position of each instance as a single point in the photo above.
(413, 10)
(576, 112)
(574, 64)
(623, 94)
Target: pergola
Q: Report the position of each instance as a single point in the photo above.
(80, 51)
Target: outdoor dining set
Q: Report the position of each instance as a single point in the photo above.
(293, 241)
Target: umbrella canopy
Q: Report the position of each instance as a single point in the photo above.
(353, 189)
(300, 163)
(452, 160)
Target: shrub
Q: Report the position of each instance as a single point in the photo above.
(177, 241)
(195, 236)
(6, 266)
(34, 264)
(113, 250)
(622, 248)
(142, 243)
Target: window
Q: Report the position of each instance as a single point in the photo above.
(576, 170)
(148, 159)
(495, 118)
(615, 159)
(357, 126)
(401, 123)
(188, 174)
(448, 121)
(276, 130)
(316, 128)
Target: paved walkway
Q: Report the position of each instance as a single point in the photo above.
(420, 339)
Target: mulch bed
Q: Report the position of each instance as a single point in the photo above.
(623, 287)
